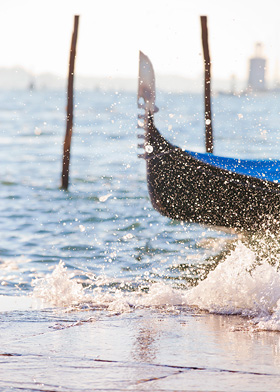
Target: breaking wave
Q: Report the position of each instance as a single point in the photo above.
(242, 284)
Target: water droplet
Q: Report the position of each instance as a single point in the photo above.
(104, 198)
(149, 149)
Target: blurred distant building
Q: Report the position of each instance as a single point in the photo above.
(31, 86)
(257, 68)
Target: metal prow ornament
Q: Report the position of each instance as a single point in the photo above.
(146, 96)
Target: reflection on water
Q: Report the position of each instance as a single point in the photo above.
(145, 346)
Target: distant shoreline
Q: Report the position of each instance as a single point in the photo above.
(18, 78)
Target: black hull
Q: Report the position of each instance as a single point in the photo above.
(186, 189)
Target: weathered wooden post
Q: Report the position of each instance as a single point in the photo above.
(207, 86)
(69, 114)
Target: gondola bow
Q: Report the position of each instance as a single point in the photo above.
(205, 189)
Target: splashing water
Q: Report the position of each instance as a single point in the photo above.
(238, 285)
(58, 289)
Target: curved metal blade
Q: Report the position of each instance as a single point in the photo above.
(146, 85)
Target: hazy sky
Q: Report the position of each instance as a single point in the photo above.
(35, 34)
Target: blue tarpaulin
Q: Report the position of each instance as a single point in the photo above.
(264, 169)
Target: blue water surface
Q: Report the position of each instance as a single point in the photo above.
(104, 224)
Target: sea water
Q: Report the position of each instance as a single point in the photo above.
(100, 246)
(102, 235)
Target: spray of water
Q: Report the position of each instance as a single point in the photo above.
(246, 283)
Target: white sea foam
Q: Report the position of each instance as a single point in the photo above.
(239, 285)
(58, 288)
(160, 294)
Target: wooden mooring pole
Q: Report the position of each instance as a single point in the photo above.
(207, 86)
(69, 114)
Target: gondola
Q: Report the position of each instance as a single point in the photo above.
(243, 195)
